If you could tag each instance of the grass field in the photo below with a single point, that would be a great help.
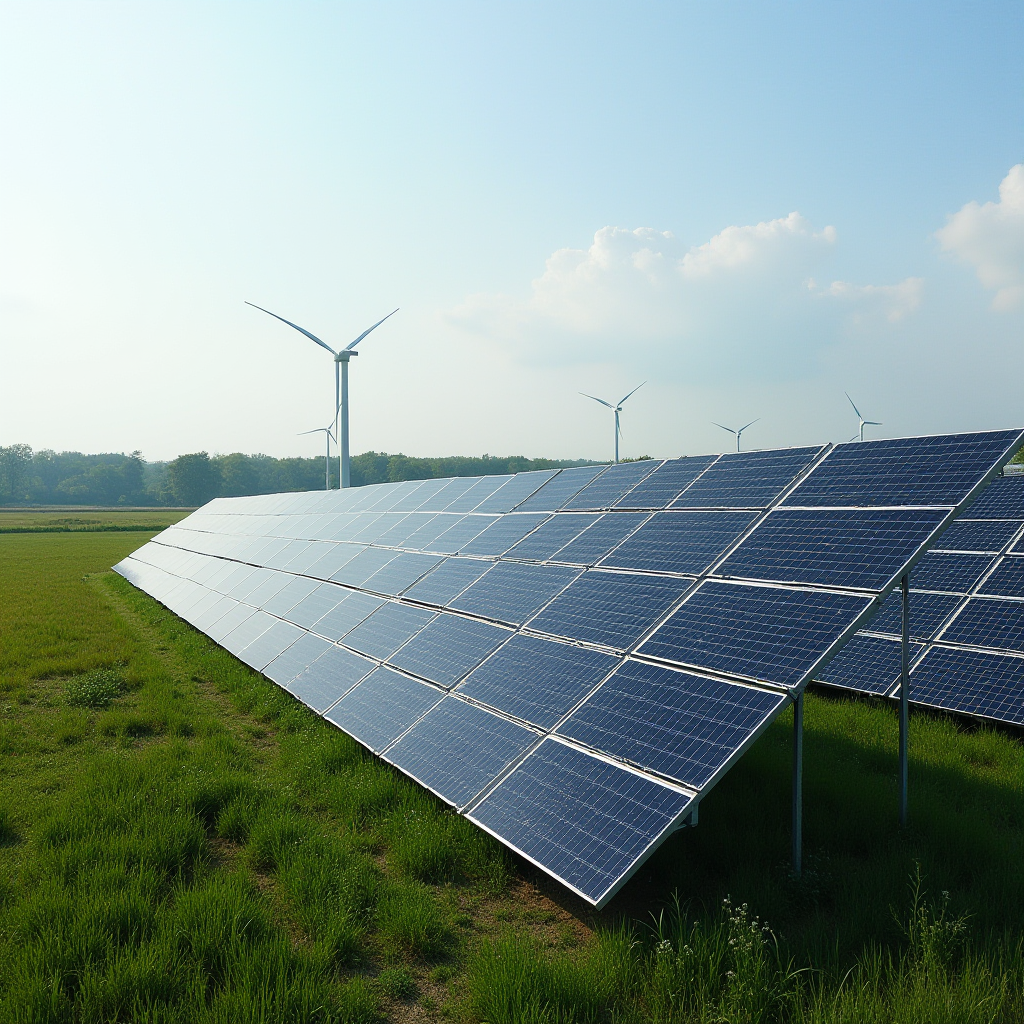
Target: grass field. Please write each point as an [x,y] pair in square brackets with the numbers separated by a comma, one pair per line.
[182,841]
[88,520]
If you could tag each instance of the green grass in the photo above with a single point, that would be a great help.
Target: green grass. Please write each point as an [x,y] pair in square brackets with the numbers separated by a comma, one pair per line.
[181,841]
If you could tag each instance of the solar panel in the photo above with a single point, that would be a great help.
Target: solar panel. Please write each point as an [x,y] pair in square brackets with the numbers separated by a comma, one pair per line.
[972,682]
[447,648]
[1006,580]
[980,535]
[382,707]
[746,479]
[869,664]
[680,725]
[988,622]
[666,483]
[611,486]
[683,542]
[456,749]
[587,822]
[462,630]
[537,680]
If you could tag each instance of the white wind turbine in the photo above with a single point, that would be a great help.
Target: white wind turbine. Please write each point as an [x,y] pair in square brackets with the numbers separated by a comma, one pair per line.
[863,422]
[617,408]
[327,458]
[738,433]
[341,359]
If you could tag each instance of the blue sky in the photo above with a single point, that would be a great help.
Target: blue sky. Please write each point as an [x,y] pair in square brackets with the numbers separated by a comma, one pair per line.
[754,207]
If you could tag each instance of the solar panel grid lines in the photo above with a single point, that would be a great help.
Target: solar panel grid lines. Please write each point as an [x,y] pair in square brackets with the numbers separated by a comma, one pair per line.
[530,680]
[666,483]
[556,804]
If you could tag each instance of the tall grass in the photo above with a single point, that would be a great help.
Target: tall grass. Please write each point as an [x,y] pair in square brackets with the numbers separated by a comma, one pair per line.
[180,840]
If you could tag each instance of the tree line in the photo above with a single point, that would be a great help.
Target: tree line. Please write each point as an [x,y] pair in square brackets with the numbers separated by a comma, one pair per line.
[47,477]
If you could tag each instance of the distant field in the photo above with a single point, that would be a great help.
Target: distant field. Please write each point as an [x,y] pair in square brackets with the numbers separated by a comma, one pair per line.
[88,520]
[182,841]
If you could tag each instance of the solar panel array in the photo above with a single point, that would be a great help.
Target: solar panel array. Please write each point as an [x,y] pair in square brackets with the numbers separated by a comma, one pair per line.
[571,659]
[966,619]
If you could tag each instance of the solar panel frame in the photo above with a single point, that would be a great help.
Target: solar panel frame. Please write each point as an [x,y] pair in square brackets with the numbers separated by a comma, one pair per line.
[289,522]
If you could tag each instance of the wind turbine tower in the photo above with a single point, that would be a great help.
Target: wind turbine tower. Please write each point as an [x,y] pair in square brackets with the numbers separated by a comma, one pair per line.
[738,433]
[617,408]
[341,359]
[327,457]
[863,422]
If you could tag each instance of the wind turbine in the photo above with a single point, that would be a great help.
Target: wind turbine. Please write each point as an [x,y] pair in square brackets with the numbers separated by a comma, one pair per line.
[617,408]
[327,457]
[341,359]
[863,422]
[738,433]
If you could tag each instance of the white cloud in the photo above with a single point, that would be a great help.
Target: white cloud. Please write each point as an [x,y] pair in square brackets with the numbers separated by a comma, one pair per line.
[990,237]
[743,304]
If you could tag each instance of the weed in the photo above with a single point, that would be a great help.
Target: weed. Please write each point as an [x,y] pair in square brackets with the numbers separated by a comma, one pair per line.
[98,689]
[396,983]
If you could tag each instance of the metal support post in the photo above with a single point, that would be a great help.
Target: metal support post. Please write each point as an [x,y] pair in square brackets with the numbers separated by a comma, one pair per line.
[798,783]
[904,699]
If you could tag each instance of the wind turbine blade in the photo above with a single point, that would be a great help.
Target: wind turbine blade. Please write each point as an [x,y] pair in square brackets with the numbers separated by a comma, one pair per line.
[872,423]
[750,424]
[607,405]
[301,330]
[633,392]
[315,430]
[731,431]
[348,348]
[854,438]
[855,409]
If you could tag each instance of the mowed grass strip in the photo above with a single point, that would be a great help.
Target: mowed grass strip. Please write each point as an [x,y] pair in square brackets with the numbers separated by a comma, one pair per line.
[88,521]
[181,840]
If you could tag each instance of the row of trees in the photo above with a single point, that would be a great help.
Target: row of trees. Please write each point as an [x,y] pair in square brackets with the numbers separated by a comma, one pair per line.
[51,478]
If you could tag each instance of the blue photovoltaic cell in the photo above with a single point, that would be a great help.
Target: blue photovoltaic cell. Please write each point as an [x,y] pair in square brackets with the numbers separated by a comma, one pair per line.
[513,591]
[346,615]
[927,613]
[387,629]
[746,479]
[597,540]
[610,486]
[906,471]
[666,483]
[550,536]
[971,682]
[583,820]
[431,529]
[685,542]
[980,535]
[612,609]
[382,707]
[862,548]
[457,749]
[502,534]
[265,589]
[400,573]
[868,664]
[949,572]
[537,680]
[451,577]
[988,622]
[674,723]
[449,647]
[456,537]
[287,665]
[1002,499]
[402,525]
[560,489]
[333,674]
[1007,579]
[515,490]
[768,633]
